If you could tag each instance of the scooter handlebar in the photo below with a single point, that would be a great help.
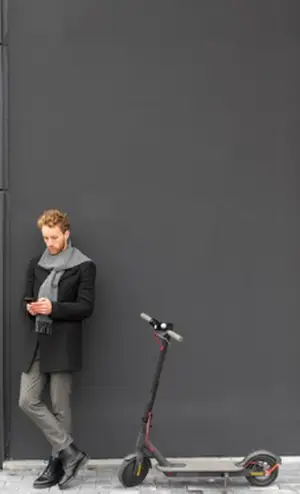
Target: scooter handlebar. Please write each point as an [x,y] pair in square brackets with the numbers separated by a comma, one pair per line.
[146,317]
[175,336]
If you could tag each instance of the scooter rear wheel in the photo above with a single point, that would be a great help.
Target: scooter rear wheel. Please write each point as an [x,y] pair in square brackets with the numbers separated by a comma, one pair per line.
[128,476]
[259,464]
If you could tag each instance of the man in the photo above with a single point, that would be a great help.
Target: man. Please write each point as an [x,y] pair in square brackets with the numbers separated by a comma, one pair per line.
[59,295]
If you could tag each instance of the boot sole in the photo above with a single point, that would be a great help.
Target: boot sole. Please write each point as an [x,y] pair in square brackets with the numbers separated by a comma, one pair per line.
[80,465]
[46,486]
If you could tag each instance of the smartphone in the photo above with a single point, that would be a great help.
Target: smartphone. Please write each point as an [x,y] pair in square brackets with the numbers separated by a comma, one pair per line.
[29,299]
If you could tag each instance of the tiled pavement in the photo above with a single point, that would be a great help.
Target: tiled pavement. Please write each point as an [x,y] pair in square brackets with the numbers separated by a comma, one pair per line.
[103,479]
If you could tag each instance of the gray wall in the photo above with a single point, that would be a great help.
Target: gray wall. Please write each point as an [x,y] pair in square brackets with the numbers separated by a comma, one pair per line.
[169,130]
[4,237]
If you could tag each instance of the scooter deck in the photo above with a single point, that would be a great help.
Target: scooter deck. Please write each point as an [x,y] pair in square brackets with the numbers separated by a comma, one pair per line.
[203,465]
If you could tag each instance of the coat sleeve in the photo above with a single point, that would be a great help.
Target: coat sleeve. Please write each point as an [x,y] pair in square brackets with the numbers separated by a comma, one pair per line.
[84,305]
[29,285]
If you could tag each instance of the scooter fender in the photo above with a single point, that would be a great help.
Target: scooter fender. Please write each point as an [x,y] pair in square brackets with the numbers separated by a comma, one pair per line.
[130,457]
[265,452]
[133,456]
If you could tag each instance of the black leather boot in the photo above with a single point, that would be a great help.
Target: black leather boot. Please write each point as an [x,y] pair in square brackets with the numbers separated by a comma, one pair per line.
[72,459]
[51,475]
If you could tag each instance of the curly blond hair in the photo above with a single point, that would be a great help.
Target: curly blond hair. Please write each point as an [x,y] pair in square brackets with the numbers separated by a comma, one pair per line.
[54,217]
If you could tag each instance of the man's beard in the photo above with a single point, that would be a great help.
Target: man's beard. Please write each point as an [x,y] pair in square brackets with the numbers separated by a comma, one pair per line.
[57,250]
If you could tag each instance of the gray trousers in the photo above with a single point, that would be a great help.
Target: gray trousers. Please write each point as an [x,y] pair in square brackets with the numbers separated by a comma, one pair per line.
[55,425]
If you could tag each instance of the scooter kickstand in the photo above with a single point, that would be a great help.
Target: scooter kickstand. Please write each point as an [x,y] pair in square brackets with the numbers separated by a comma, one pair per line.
[226,477]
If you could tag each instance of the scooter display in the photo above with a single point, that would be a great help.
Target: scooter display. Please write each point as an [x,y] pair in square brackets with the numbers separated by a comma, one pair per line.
[260,468]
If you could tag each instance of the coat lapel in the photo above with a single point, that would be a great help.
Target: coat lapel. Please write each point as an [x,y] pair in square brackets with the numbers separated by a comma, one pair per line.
[41,273]
[68,273]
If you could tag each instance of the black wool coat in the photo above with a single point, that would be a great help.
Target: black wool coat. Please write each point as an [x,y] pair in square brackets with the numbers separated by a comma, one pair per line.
[62,349]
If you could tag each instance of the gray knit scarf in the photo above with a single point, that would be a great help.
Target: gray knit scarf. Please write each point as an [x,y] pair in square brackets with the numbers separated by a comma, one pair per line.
[68,258]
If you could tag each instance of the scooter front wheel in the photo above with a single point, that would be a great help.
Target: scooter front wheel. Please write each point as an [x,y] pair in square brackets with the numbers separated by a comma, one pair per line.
[129,476]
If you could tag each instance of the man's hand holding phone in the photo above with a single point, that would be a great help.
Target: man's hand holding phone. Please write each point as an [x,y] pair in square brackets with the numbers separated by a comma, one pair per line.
[29,307]
[41,306]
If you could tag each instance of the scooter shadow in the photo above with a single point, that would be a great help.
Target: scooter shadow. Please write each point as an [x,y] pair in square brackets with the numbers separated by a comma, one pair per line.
[197,485]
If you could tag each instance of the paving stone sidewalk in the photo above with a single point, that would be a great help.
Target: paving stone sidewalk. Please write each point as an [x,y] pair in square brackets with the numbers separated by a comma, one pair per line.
[103,479]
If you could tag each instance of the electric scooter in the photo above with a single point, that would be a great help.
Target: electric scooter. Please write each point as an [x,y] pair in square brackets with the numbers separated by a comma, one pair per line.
[260,467]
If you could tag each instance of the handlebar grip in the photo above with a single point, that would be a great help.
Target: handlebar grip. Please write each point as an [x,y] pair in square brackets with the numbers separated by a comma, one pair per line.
[175,335]
[146,317]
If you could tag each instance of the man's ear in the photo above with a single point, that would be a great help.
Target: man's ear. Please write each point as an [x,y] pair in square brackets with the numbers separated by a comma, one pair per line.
[67,234]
